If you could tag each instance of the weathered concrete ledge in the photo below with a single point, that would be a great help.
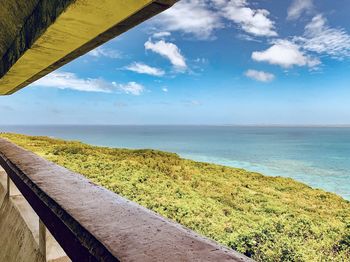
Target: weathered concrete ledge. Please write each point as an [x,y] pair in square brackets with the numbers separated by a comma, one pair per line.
[20,230]
[16,241]
[38,37]
[94,224]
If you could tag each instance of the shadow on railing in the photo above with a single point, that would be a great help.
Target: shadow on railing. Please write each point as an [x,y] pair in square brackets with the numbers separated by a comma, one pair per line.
[91,223]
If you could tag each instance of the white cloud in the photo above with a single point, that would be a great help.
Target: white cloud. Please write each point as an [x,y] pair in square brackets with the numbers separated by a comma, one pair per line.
[104,52]
[247,37]
[142,68]
[318,39]
[161,34]
[191,17]
[202,17]
[260,75]
[169,51]
[298,7]
[322,39]
[285,54]
[132,88]
[252,21]
[164,89]
[66,80]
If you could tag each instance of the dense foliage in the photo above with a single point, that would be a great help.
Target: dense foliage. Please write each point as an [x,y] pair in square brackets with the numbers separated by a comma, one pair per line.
[267,218]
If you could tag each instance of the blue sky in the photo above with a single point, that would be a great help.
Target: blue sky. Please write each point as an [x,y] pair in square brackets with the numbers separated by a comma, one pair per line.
[239,62]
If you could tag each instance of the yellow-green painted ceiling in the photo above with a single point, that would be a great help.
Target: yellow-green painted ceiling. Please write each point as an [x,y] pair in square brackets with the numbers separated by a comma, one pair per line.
[82,26]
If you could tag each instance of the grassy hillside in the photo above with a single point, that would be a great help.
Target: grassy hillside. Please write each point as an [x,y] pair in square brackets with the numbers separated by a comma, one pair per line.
[267,218]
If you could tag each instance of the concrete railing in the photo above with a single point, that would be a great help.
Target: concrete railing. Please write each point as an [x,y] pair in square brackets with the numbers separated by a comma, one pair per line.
[91,223]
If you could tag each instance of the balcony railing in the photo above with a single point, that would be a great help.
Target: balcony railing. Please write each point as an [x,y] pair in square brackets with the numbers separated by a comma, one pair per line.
[91,223]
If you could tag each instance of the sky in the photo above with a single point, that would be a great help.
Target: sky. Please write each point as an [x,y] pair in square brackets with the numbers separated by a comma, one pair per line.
[206,62]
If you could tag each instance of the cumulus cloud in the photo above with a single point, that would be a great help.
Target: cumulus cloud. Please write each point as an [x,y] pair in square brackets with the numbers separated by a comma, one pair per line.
[191,17]
[285,54]
[260,75]
[298,7]
[252,21]
[104,52]
[169,51]
[142,68]
[202,17]
[320,38]
[67,80]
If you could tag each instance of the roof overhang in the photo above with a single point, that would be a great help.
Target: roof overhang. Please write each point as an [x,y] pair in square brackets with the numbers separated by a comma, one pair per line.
[37,37]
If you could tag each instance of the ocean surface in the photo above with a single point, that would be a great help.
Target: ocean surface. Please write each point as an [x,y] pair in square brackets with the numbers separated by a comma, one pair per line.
[317,156]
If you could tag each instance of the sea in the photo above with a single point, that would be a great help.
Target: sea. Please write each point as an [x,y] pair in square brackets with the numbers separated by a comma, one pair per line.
[316,156]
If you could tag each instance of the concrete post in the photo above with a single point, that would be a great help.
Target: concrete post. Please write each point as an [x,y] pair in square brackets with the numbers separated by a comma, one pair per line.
[12,190]
[8,187]
[42,239]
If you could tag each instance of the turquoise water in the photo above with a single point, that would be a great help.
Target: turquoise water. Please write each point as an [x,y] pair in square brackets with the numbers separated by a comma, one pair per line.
[319,157]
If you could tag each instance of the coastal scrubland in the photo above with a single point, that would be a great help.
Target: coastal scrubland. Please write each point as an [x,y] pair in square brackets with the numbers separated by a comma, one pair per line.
[266,218]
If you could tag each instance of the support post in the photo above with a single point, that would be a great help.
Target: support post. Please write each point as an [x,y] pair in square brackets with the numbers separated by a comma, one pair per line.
[8,186]
[42,239]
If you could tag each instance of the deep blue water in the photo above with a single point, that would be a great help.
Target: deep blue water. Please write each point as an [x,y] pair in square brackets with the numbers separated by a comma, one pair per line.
[319,157]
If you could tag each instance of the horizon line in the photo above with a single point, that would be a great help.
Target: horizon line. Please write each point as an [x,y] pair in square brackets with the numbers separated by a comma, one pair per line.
[189,125]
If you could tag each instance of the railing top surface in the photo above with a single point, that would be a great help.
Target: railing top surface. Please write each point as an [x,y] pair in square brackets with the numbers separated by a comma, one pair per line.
[96,216]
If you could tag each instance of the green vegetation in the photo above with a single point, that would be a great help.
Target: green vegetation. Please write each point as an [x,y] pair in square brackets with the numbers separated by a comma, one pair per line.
[267,218]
